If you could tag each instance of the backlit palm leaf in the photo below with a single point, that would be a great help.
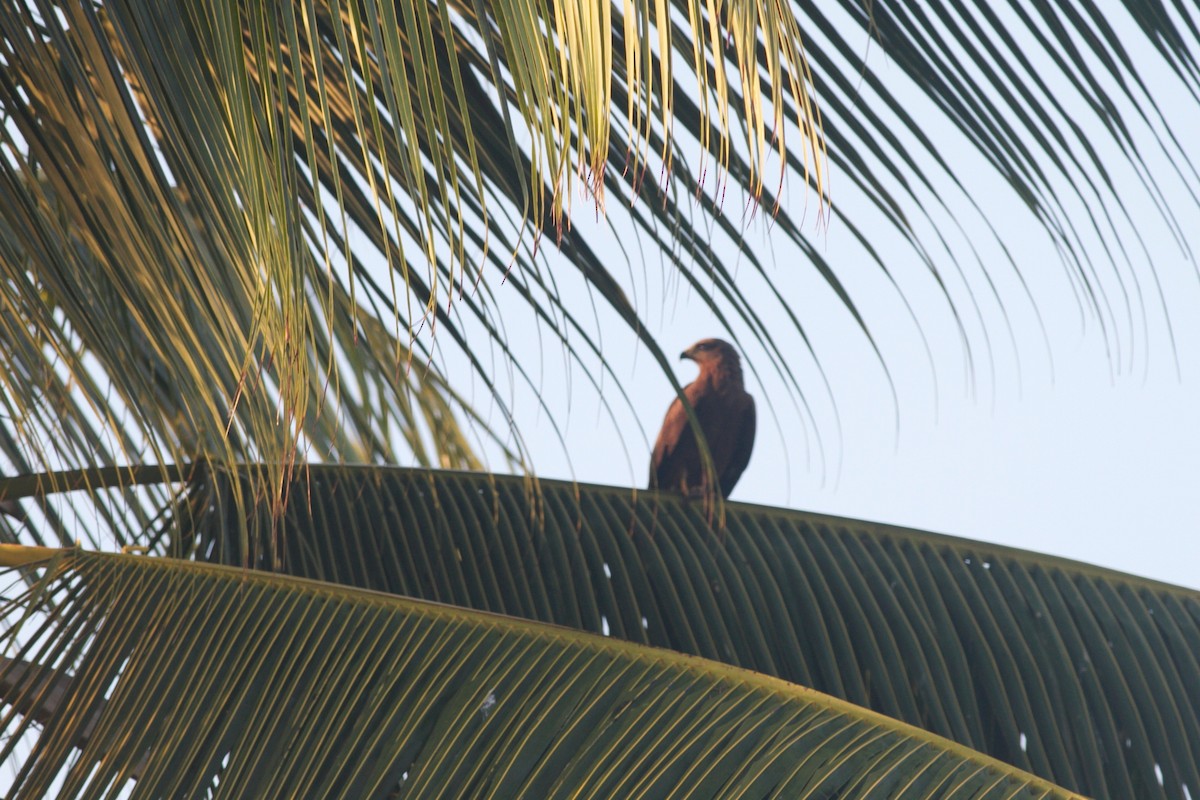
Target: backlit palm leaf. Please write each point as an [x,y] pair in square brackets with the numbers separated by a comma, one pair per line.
[199,680]
[273,207]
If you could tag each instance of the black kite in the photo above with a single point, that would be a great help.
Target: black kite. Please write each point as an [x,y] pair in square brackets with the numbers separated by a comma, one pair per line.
[726,415]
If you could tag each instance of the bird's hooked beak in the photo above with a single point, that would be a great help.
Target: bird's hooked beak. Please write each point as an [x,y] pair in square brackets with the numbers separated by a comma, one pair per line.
[685,354]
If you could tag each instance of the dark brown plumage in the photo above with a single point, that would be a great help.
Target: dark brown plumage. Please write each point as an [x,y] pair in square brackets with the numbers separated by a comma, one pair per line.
[13,509]
[726,415]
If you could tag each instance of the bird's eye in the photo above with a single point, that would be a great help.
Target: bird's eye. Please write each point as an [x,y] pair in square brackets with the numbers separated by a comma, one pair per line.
[705,346]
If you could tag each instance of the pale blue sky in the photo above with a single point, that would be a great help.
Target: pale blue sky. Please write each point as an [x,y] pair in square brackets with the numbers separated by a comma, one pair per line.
[1096,459]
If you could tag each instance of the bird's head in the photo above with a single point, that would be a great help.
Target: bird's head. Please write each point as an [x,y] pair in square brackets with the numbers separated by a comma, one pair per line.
[711,352]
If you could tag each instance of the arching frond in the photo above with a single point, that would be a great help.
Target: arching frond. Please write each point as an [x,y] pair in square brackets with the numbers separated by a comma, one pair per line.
[1084,676]
[205,681]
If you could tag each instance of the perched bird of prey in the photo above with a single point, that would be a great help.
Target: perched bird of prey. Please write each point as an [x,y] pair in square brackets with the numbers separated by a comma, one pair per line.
[726,415]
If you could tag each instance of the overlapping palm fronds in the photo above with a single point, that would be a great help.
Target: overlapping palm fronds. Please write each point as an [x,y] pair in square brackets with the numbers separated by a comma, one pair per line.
[254,236]
[194,680]
[270,210]
[1082,676]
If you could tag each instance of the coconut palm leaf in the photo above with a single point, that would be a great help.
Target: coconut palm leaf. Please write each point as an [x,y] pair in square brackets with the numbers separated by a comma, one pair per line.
[271,208]
[196,681]
[1084,676]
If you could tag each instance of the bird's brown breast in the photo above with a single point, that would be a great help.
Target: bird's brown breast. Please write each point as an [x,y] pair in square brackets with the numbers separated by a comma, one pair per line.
[726,416]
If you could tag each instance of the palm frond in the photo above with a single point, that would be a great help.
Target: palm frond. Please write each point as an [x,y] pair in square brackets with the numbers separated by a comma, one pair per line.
[270,210]
[165,298]
[1084,676]
[199,681]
